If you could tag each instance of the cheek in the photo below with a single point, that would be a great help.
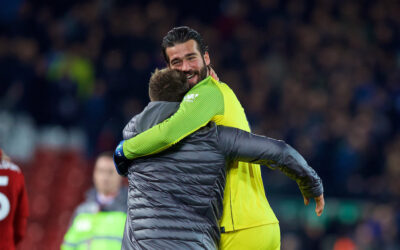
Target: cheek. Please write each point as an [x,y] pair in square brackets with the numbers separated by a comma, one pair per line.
[196,65]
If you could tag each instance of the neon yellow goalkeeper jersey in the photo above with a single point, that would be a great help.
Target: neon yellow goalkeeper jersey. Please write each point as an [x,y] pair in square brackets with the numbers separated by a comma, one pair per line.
[245,204]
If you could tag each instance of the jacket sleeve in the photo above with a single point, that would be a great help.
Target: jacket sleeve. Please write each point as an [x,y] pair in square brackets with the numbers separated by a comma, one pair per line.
[239,145]
[129,130]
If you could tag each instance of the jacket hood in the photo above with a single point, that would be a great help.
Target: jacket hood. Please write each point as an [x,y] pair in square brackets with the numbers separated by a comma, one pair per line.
[153,114]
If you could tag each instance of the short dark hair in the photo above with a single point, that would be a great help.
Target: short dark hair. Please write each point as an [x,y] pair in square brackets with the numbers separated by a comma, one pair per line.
[181,35]
[168,85]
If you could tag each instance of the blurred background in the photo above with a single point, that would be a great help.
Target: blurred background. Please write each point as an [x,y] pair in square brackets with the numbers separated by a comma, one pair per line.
[322,75]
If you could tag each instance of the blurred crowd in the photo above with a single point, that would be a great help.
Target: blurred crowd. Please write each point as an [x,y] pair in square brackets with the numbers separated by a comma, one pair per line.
[322,75]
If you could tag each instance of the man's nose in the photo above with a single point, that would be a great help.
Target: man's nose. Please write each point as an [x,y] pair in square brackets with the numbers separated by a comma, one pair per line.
[185,66]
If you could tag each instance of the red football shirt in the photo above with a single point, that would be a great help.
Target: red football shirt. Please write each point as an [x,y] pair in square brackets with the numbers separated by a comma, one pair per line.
[13,205]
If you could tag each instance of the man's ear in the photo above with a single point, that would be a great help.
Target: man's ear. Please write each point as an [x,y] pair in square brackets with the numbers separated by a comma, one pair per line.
[207,58]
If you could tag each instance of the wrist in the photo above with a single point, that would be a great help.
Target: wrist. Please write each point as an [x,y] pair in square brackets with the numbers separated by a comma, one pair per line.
[120,161]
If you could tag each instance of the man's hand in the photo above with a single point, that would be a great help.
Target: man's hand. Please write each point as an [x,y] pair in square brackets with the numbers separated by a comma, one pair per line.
[212,73]
[319,203]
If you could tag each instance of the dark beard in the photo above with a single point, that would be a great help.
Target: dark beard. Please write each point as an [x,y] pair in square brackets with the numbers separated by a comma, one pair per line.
[203,73]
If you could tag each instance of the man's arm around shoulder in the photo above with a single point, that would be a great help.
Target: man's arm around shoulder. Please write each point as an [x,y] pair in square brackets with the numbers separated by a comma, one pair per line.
[240,145]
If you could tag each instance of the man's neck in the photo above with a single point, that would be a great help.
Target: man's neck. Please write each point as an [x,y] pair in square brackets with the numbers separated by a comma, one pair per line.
[105,199]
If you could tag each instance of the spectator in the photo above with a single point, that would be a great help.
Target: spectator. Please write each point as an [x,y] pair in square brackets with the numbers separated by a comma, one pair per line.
[98,223]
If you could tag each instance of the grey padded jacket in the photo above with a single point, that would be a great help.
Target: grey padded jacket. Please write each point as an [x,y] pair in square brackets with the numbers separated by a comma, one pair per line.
[175,197]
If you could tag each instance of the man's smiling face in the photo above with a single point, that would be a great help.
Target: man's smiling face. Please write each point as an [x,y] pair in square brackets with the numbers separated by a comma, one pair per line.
[186,57]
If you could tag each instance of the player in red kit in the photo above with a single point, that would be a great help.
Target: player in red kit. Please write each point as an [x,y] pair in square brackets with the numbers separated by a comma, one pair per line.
[13,204]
